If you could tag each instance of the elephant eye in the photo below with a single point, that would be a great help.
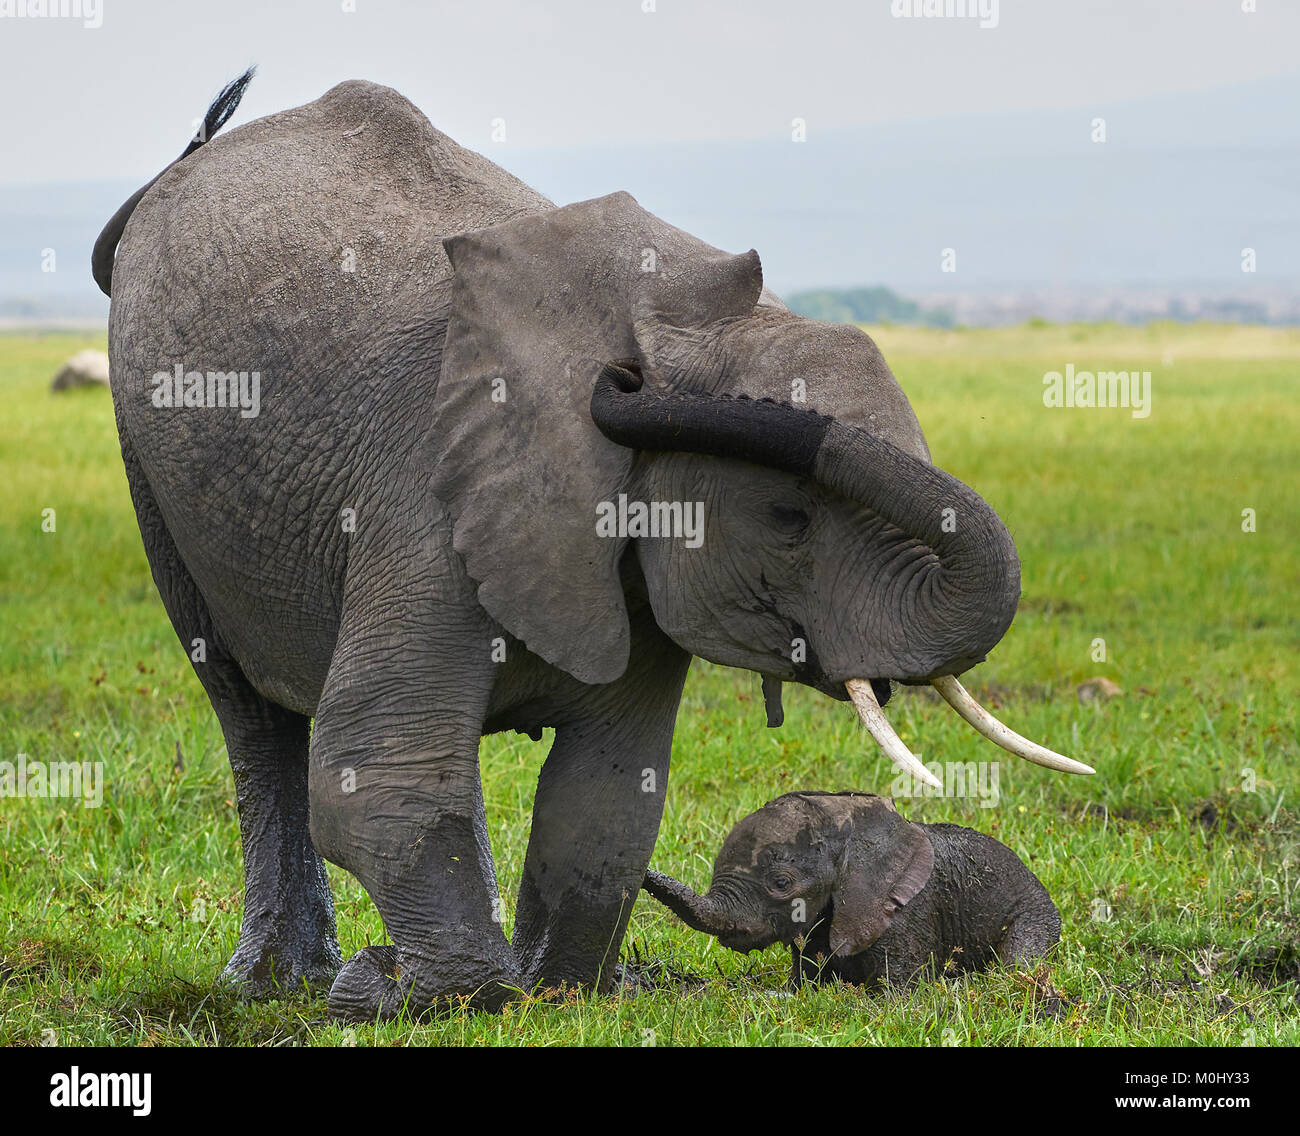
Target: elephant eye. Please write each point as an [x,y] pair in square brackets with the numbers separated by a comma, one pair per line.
[782,882]
[790,518]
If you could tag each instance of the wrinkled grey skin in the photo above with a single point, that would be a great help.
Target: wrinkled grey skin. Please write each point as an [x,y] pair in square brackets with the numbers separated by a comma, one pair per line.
[862,895]
[472,529]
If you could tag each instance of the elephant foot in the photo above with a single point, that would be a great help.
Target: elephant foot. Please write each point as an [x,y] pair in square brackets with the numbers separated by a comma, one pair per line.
[379,983]
[272,965]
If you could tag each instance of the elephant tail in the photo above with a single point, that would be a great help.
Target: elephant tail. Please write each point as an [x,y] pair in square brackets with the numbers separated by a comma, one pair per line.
[223,106]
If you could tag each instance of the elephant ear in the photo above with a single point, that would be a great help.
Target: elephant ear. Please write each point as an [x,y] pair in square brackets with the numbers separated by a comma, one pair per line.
[539,305]
[885,863]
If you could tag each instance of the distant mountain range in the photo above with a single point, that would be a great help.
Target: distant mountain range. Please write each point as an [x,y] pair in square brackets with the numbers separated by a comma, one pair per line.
[1265,305]
[1027,202]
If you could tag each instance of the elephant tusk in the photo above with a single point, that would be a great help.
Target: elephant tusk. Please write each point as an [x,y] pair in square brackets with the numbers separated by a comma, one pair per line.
[957,697]
[864,699]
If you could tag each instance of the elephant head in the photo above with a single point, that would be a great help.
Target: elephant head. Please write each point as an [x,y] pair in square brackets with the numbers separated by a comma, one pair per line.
[596,355]
[782,867]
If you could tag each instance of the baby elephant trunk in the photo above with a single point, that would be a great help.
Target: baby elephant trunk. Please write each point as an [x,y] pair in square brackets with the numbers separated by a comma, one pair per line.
[698,912]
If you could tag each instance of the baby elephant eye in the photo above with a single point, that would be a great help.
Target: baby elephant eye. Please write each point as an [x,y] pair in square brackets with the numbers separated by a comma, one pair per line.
[782,882]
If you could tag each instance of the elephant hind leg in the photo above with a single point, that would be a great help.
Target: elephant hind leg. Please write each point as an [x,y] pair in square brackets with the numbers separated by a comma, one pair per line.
[287,935]
[1029,936]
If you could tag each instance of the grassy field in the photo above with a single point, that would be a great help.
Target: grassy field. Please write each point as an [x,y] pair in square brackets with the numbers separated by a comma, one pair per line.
[1173,867]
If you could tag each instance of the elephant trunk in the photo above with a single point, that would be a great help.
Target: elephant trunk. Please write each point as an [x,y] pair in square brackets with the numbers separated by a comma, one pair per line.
[699,912]
[968,596]
[967,586]
[960,599]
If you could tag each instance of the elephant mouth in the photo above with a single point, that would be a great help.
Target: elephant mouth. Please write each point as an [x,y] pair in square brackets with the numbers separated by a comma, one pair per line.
[746,941]
[881,688]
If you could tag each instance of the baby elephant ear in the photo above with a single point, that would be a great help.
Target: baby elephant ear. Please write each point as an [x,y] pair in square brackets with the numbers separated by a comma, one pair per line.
[885,864]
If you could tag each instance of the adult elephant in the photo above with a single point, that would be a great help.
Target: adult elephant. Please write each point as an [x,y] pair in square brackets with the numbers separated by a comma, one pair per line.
[403,538]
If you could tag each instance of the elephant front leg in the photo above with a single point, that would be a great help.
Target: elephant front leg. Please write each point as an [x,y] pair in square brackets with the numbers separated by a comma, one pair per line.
[600,798]
[396,800]
[410,826]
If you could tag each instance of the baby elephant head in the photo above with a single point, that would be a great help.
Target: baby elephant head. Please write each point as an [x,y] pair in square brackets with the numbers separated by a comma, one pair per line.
[800,858]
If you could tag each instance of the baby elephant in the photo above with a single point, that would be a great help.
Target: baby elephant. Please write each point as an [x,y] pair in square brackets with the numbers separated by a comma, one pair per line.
[863,895]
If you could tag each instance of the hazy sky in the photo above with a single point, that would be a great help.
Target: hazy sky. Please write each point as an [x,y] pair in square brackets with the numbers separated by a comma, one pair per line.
[119,100]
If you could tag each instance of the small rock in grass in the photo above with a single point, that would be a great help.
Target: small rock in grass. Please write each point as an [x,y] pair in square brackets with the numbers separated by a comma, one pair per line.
[84,369]
[1099,688]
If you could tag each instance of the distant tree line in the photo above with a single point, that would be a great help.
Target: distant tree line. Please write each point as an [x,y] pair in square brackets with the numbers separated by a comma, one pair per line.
[866,305]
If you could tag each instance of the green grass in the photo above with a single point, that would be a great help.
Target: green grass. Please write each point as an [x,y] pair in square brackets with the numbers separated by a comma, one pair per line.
[114,922]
